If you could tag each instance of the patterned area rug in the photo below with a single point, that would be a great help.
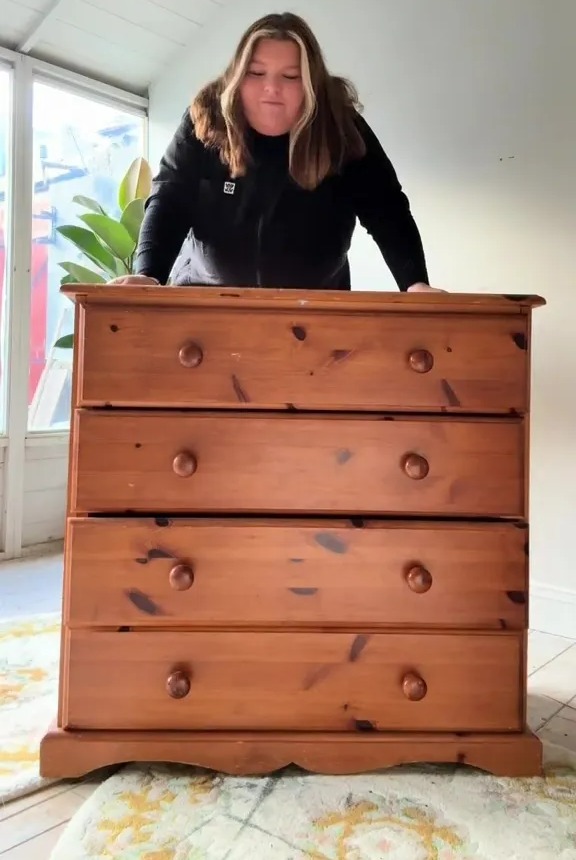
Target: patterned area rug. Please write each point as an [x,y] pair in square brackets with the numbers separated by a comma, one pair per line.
[167,812]
[29,654]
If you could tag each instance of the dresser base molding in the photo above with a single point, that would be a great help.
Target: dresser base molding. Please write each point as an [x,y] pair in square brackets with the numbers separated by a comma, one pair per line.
[71,754]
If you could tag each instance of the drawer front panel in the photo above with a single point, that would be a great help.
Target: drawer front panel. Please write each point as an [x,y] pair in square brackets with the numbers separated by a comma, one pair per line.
[315,360]
[293,681]
[246,573]
[254,464]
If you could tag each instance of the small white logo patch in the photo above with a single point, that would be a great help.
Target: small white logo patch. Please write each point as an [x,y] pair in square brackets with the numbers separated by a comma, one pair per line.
[229,187]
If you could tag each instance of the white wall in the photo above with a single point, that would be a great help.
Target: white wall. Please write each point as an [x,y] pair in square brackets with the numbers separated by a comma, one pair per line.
[45,483]
[474,102]
[44,486]
[2,478]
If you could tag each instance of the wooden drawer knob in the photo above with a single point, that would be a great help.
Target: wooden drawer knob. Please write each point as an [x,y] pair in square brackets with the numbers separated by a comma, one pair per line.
[181,577]
[178,684]
[419,579]
[416,467]
[421,361]
[184,464]
[414,687]
[190,355]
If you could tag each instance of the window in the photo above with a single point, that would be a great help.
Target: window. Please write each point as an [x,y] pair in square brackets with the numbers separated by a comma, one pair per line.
[81,147]
[5,101]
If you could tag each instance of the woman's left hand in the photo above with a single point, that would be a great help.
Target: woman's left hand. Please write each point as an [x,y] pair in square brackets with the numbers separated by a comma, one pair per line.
[424,288]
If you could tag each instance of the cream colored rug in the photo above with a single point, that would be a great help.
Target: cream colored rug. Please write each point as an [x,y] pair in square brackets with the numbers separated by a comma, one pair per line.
[29,667]
[164,812]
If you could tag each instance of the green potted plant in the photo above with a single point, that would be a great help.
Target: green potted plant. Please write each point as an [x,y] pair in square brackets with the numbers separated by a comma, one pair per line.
[106,242]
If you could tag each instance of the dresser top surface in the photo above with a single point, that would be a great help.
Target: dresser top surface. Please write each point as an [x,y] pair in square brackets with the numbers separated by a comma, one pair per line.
[291,299]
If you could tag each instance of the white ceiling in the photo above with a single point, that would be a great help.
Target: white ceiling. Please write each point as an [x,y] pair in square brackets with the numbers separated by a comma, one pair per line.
[127,43]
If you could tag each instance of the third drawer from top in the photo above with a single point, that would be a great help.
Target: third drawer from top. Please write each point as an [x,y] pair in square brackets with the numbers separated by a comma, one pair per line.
[210,572]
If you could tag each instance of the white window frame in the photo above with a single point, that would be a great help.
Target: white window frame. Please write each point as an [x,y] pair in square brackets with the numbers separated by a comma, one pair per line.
[17,438]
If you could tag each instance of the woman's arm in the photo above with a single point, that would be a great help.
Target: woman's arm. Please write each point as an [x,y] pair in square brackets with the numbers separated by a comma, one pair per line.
[170,207]
[383,209]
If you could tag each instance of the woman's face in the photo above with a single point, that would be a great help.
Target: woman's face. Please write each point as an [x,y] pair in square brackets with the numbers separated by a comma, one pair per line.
[272,93]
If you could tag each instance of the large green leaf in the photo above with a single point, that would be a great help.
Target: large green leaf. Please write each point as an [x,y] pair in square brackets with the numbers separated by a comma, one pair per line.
[114,234]
[132,217]
[123,268]
[65,342]
[87,242]
[82,275]
[88,203]
[137,182]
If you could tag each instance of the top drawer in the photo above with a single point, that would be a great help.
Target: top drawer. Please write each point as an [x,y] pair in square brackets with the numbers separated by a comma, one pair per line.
[286,359]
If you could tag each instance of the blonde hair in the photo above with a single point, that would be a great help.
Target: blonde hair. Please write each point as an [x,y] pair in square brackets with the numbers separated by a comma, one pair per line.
[325,136]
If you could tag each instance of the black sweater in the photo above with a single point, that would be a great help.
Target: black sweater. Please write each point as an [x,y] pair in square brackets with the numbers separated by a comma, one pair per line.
[201,227]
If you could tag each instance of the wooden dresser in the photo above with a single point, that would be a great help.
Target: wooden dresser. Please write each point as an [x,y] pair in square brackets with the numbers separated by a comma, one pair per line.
[297,531]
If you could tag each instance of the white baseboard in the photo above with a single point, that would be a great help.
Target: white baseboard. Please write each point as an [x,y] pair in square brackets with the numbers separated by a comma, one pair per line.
[553,610]
[37,549]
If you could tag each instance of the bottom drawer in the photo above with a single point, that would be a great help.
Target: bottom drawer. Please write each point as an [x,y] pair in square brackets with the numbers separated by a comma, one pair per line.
[294,681]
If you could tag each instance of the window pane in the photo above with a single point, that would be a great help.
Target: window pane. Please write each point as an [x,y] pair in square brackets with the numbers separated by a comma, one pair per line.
[81,147]
[5,83]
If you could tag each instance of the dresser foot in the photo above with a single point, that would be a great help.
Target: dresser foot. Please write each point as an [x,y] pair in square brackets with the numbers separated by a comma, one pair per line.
[69,754]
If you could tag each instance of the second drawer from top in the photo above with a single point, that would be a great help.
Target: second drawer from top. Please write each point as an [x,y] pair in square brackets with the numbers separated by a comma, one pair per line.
[270,464]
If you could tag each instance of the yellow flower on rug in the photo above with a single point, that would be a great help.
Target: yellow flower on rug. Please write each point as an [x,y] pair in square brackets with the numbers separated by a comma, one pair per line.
[172,812]
[29,655]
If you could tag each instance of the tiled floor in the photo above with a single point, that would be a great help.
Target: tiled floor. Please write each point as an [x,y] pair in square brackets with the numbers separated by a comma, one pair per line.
[30,827]
[31,585]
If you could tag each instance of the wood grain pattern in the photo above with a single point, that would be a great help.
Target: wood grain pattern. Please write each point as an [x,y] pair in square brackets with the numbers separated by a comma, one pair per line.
[293,681]
[308,573]
[269,463]
[351,302]
[237,359]
[73,754]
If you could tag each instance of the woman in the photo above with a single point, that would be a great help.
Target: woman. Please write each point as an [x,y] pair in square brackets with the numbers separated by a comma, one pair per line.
[266,175]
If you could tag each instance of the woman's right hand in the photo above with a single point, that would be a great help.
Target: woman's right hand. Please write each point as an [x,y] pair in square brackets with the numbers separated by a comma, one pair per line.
[134,280]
